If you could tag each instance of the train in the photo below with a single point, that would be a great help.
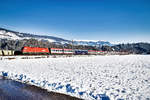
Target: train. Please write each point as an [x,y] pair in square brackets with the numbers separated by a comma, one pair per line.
[58,51]
[49,51]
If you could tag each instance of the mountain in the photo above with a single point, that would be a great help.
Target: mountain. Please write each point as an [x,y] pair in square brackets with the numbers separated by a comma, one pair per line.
[92,43]
[12,40]
[13,35]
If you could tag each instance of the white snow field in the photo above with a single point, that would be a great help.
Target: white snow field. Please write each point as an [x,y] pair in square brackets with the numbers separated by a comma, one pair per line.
[118,77]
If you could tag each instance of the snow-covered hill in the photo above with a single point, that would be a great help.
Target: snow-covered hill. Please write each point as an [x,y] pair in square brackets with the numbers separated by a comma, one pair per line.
[12,35]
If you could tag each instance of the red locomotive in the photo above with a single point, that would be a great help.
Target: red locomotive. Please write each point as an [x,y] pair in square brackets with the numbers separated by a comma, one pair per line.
[35,50]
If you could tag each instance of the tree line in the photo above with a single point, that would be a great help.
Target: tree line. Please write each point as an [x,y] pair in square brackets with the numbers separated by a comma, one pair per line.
[17,45]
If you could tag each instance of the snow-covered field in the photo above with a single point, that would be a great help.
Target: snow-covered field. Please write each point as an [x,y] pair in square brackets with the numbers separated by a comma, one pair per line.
[118,77]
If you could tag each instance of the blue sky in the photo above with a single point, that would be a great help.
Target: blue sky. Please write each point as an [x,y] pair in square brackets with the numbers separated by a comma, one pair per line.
[111,20]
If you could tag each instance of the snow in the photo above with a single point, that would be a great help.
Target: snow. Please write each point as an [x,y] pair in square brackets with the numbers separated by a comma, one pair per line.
[94,77]
[8,35]
[13,36]
[86,40]
[50,40]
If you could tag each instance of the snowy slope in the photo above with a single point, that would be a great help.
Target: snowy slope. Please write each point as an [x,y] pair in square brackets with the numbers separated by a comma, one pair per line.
[119,77]
[12,35]
[8,35]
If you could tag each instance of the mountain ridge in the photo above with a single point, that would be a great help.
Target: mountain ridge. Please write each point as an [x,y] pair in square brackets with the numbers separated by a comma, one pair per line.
[14,35]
